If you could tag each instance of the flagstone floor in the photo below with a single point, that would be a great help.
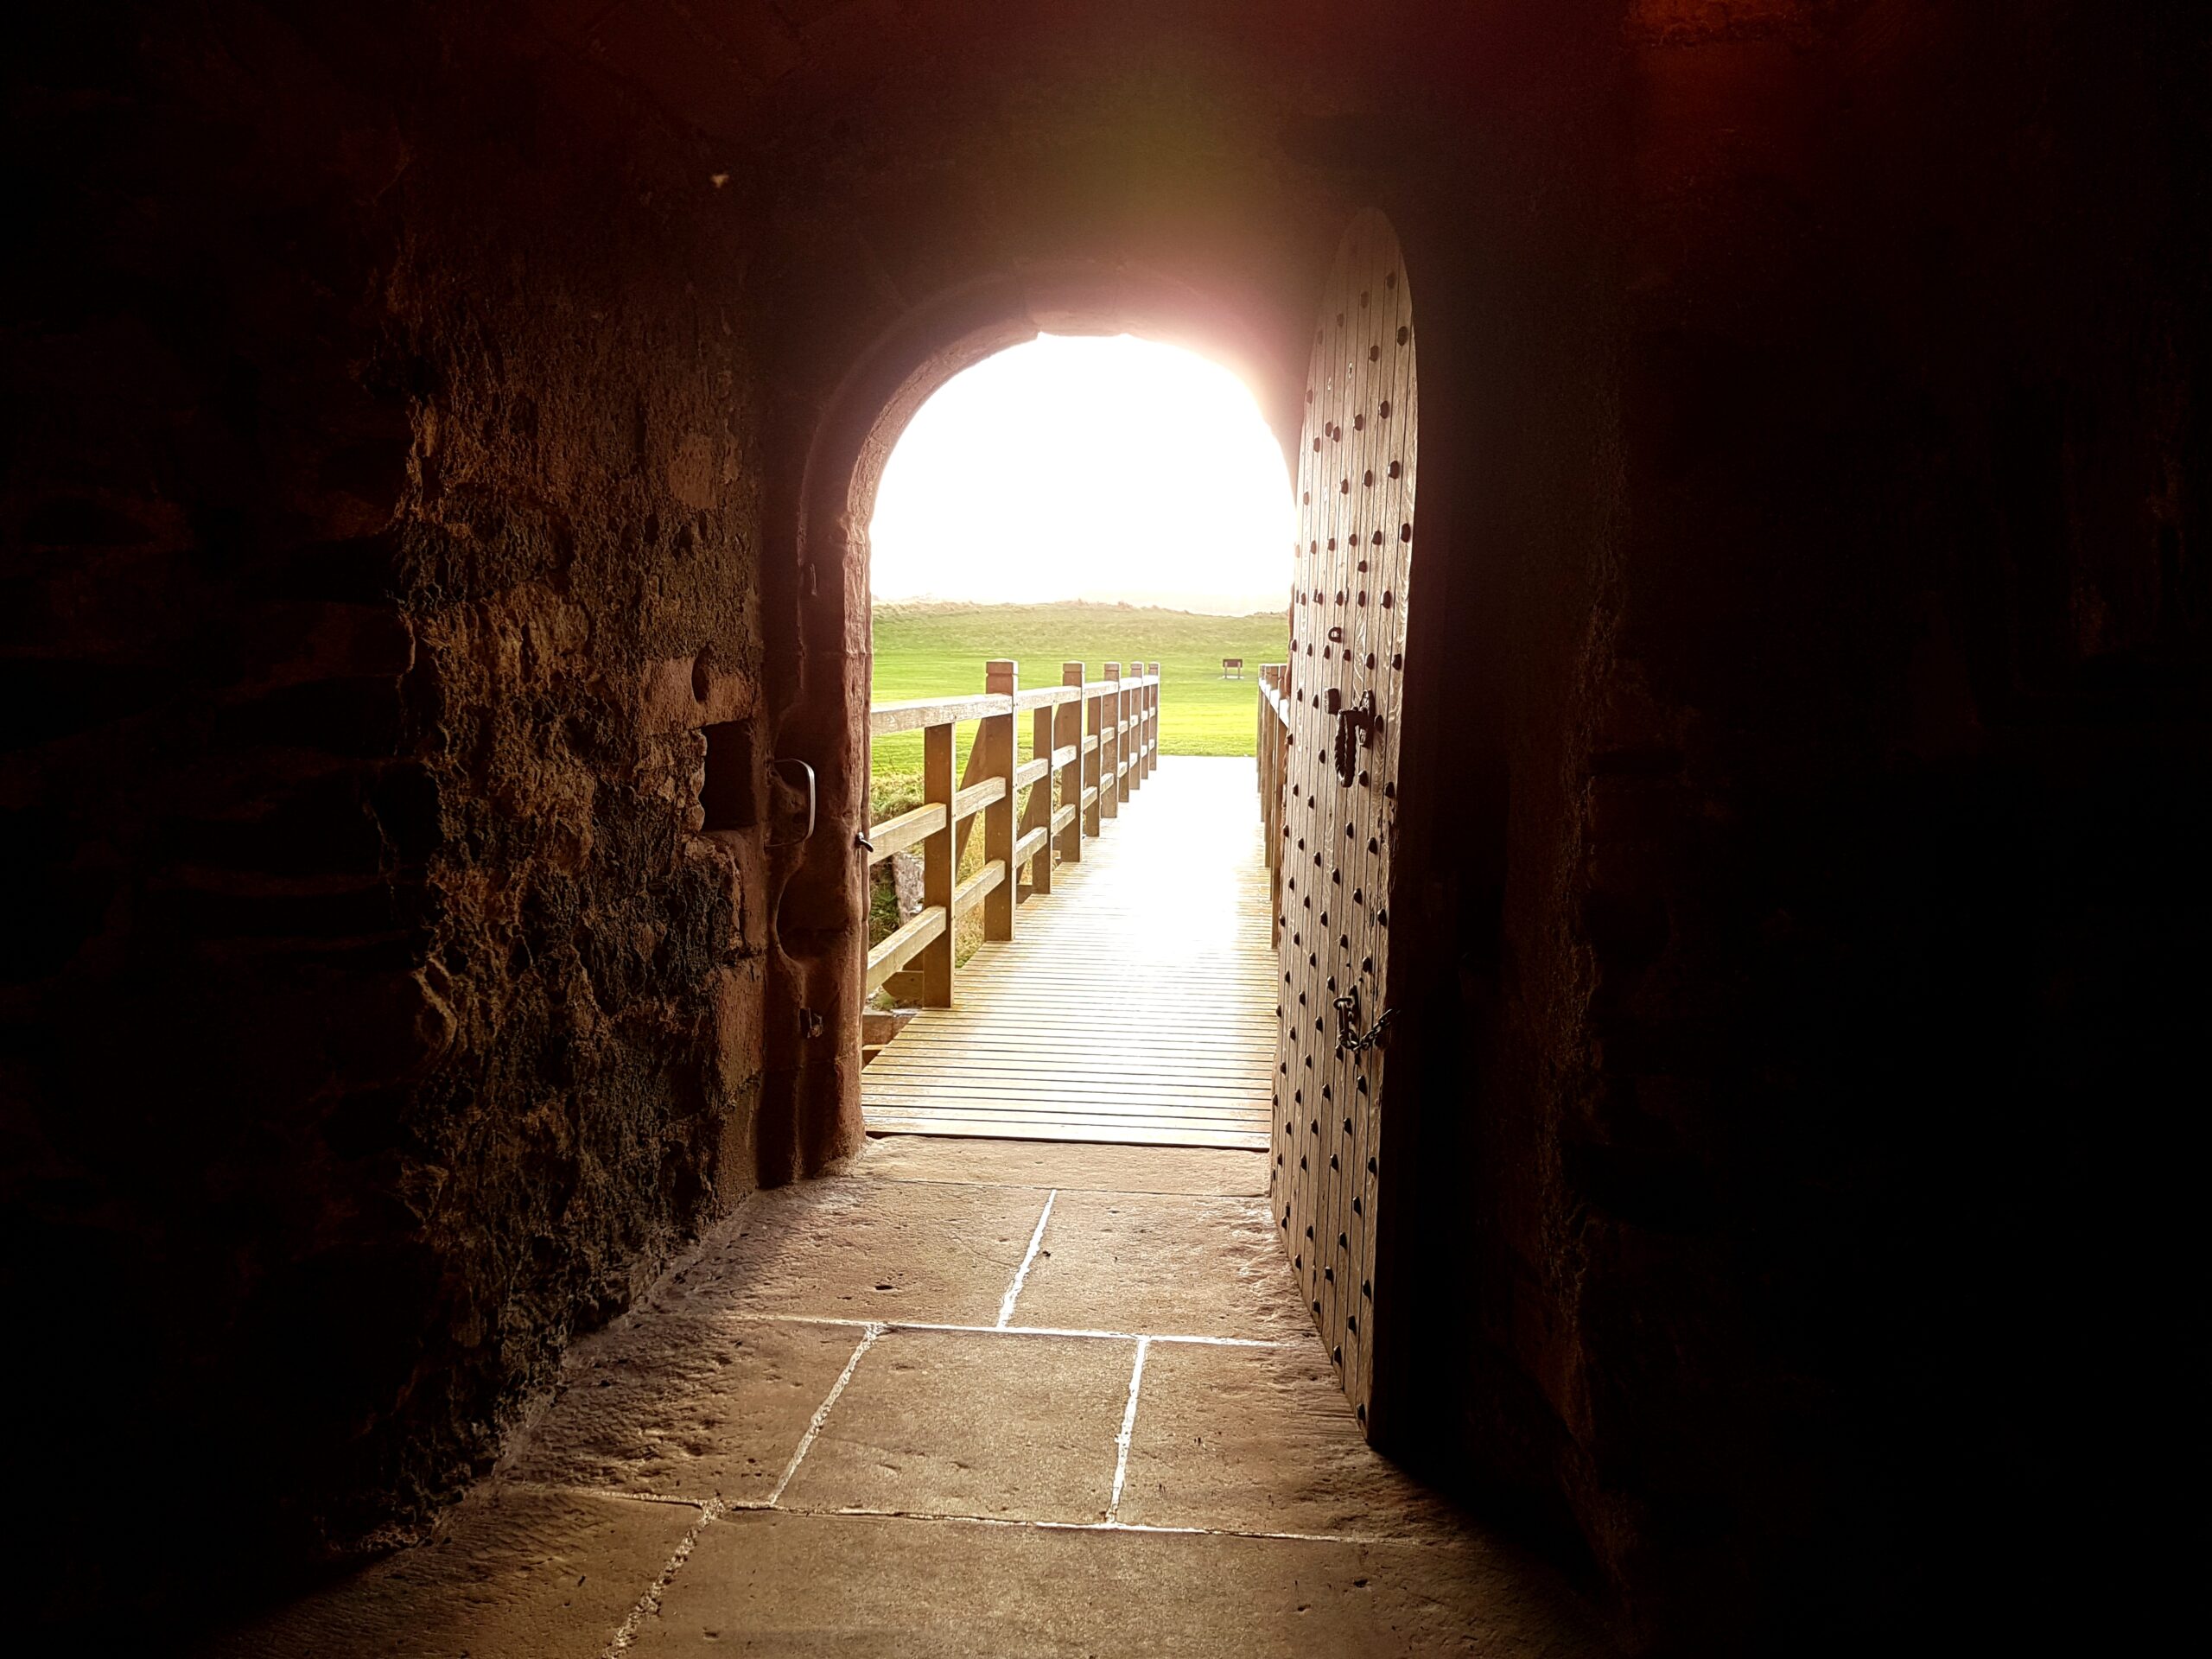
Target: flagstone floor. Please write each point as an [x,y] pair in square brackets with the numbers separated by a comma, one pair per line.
[969,1397]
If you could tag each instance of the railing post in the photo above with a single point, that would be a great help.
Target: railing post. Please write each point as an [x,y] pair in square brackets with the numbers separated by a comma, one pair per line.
[1112,783]
[1042,725]
[1124,702]
[935,961]
[1067,731]
[1000,678]
[1134,696]
[1152,760]
[1094,756]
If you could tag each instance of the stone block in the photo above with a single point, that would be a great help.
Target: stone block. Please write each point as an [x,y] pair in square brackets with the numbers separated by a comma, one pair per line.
[736,995]
[684,1406]
[863,1250]
[1262,1439]
[680,693]
[510,1575]
[937,1422]
[1164,1265]
[799,1584]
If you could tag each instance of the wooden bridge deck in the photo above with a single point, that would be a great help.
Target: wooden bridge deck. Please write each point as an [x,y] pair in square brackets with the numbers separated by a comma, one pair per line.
[1135,1002]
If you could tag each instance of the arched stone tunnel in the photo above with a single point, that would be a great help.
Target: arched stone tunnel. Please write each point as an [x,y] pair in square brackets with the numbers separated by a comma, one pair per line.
[427,422]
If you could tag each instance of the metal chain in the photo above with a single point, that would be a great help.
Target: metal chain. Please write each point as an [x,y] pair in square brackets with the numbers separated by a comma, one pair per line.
[1350,1038]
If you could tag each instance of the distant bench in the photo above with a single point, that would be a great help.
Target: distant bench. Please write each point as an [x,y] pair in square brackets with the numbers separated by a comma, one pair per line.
[1232,668]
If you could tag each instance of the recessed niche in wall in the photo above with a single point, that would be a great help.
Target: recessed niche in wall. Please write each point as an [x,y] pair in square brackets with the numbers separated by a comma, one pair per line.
[731,796]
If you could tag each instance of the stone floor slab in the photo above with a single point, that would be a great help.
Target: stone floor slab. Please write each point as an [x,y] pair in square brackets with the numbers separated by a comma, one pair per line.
[1163,1264]
[1049,1163]
[510,1575]
[793,1586]
[953,1423]
[679,1405]
[950,1502]
[1262,1439]
[862,1250]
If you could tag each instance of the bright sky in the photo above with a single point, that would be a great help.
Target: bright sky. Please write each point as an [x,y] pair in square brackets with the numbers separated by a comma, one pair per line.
[1087,468]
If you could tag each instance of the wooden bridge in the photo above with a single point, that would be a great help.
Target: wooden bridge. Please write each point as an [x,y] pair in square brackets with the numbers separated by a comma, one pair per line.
[1124,991]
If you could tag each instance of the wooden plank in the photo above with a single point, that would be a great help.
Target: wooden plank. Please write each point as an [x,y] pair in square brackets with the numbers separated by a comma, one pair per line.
[1067,754]
[1030,771]
[922,1062]
[974,798]
[895,834]
[939,858]
[902,947]
[976,887]
[998,745]
[1028,846]
[913,1077]
[885,718]
[1110,794]
[1137,1135]
[1157,1103]
[1037,811]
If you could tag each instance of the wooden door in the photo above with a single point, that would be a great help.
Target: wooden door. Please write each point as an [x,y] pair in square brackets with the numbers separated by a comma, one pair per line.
[1356,535]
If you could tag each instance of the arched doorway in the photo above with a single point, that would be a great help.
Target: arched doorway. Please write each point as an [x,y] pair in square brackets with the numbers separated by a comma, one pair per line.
[819,670]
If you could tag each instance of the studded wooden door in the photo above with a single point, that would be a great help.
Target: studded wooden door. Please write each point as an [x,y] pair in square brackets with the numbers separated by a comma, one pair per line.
[1348,612]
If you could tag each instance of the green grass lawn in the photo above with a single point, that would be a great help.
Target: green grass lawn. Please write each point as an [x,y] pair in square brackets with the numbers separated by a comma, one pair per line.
[940,650]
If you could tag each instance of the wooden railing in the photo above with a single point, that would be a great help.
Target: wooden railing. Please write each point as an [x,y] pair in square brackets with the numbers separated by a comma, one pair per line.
[1093,743]
[1274,753]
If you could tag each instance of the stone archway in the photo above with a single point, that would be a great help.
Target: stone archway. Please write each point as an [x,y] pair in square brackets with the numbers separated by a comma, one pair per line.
[818,673]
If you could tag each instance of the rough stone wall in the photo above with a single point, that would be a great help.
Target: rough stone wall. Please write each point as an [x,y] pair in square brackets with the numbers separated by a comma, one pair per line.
[1836,845]
[381,534]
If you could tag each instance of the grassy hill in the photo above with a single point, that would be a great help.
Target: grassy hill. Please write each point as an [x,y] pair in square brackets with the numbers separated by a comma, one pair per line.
[933,650]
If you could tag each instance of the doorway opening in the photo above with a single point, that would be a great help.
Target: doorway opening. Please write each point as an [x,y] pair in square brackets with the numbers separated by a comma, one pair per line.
[1078,563]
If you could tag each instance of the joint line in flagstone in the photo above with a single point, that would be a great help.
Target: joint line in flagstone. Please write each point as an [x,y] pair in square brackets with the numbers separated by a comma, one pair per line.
[1128,1428]
[667,1499]
[868,1335]
[649,1603]
[723,1509]
[1021,1274]
[861,1512]
[1027,1331]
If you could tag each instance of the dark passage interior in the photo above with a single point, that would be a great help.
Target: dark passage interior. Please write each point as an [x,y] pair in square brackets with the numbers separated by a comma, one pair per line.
[438,454]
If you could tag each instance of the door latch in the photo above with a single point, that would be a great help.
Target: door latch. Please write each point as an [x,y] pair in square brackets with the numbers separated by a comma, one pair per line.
[1355,724]
[1351,1039]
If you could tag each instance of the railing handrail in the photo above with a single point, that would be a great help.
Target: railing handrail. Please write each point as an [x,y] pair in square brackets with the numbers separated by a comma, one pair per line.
[912,713]
[1095,740]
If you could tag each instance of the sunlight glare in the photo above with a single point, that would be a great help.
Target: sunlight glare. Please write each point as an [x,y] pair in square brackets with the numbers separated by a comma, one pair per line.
[1091,468]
